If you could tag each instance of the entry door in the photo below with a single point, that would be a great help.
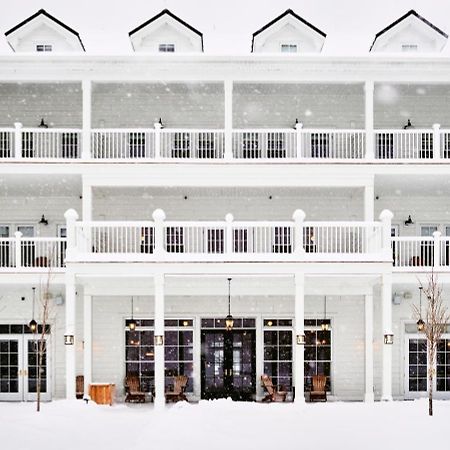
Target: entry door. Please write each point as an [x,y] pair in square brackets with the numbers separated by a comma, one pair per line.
[6,252]
[228,364]
[19,369]
[416,366]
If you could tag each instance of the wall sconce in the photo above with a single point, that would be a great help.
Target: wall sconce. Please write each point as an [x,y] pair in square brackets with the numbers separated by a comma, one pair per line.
[161,123]
[43,220]
[388,339]
[301,340]
[42,124]
[159,340]
[409,221]
[69,339]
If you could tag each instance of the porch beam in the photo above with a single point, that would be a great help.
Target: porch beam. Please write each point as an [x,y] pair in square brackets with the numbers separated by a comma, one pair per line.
[87,347]
[299,356]
[159,345]
[369,394]
[70,334]
[386,293]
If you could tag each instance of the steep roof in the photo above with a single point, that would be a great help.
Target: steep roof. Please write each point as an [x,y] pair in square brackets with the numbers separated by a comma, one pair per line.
[293,14]
[401,19]
[49,16]
[173,16]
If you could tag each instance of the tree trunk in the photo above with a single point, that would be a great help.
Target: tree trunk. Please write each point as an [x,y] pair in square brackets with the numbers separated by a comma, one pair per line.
[430,394]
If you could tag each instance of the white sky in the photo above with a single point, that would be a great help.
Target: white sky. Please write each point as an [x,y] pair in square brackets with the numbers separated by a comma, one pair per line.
[227,25]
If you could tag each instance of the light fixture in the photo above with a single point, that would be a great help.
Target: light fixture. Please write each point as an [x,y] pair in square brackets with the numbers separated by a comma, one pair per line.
[43,220]
[269,323]
[161,123]
[159,340]
[229,321]
[69,339]
[33,324]
[420,322]
[132,322]
[301,339]
[325,325]
[388,338]
[185,323]
[43,124]
[409,221]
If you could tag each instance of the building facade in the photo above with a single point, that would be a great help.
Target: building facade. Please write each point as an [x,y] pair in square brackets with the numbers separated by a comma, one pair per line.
[136,186]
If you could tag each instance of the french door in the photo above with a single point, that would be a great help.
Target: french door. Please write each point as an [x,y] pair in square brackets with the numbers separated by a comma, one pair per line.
[19,368]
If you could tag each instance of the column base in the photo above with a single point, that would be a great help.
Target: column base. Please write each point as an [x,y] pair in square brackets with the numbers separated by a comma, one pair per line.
[387,398]
[160,404]
[369,397]
[299,400]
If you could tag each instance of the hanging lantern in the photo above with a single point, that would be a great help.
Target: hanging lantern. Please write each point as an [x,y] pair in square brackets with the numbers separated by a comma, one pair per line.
[325,325]
[33,324]
[420,323]
[229,321]
[132,322]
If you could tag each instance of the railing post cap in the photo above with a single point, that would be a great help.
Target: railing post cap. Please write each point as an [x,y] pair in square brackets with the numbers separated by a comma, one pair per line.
[299,214]
[18,234]
[159,214]
[157,126]
[71,214]
[18,125]
[229,217]
[436,126]
[298,126]
[386,214]
[437,234]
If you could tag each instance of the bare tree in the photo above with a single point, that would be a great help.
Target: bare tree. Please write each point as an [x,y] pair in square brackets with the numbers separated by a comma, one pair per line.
[434,324]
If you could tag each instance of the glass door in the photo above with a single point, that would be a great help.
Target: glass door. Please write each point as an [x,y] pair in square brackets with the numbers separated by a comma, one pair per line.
[31,355]
[6,250]
[416,366]
[11,370]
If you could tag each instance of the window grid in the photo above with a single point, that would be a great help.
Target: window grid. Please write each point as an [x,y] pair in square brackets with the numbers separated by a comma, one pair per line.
[44,48]
[9,366]
[417,365]
[167,48]
[443,366]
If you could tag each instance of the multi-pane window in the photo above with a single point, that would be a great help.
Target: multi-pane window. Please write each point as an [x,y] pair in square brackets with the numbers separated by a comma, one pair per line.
[278,352]
[33,366]
[276,145]
[317,352]
[5,144]
[289,48]
[147,240]
[69,145]
[175,239]
[410,47]
[136,142]
[181,145]
[320,145]
[219,323]
[240,240]
[417,365]
[282,242]
[443,366]
[9,365]
[250,145]
[44,48]
[6,247]
[166,48]
[216,240]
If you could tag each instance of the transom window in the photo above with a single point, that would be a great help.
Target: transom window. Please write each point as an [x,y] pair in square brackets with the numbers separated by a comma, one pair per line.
[289,48]
[167,48]
[410,47]
[44,48]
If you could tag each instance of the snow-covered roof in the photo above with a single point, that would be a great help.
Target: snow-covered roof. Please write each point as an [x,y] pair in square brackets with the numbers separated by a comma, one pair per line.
[288,28]
[410,32]
[166,28]
[43,29]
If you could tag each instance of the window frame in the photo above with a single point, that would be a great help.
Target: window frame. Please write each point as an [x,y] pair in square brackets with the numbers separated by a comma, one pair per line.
[166,47]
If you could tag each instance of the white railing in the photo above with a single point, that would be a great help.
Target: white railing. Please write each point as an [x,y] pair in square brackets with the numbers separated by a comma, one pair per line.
[264,144]
[414,252]
[333,144]
[7,252]
[46,143]
[444,144]
[129,144]
[192,144]
[6,143]
[404,144]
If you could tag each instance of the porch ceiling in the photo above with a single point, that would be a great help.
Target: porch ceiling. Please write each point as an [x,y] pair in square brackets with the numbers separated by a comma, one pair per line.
[40,185]
[412,186]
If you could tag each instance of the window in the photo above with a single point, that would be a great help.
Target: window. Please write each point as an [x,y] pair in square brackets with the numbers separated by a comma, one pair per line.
[147,240]
[181,145]
[320,145]
[69,143]
[276,147]
[427,246]
[167,48]
[44,48]
[136,141]
[410,47]
[443,366]
[250,145]
[240,240]
[216,239]
[175,239]
[5,144]
[282,242]
[289,48]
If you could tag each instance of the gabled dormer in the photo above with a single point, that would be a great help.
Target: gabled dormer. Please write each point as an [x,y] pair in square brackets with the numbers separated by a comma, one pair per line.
[166,33]
[288,33]
[43,33]
[410,33]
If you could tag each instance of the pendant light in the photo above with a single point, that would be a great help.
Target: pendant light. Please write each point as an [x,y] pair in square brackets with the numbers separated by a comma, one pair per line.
[33,324]
[325,326]
[132,322]
[420,322]
[229,321]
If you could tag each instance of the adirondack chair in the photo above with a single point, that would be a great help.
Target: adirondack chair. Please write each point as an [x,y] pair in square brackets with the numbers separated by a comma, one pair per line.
[79,383]
[273,394]
[133,391]
[318,392]
[179,386]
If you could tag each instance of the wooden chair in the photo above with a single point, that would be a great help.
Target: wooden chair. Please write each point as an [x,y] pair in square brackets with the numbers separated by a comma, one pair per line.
[179,386]
[273,394]
[133,392]
[318,392]
[79,382]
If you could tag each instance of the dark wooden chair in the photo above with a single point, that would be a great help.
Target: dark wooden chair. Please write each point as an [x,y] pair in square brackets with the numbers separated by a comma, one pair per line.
[272,393]
[177,393]
[319,392]
[79,384]
[133,392]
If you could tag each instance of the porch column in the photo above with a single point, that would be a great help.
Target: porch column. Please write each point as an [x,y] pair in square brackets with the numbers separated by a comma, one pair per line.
[87,110]
[369,201]
[368,90]
[386,294]
[86,201]
[159,341]
[299,338]
[369,396]
[87,347]
[69,336]
[228,122]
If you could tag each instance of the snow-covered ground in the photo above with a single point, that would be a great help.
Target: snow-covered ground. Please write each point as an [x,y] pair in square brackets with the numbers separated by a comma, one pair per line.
[223,424]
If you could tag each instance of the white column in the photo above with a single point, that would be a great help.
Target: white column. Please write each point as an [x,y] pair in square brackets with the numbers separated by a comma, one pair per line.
[436,249]
[368,90]
[18,248]
[18,140]
[70,332]
[369,201]
[436,141]
[159,349]
[87,109]
[86,201]
[87,348]
[159,216]
[369,396]
[259,358]
[228,122]
[299,349]
[386,299]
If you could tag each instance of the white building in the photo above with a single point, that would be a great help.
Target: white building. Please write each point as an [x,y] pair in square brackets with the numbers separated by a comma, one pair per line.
[145,181]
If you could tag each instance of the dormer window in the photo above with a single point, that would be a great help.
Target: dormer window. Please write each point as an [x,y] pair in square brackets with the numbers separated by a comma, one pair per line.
[410,47]
[167,48]
[44,48]
[289,48]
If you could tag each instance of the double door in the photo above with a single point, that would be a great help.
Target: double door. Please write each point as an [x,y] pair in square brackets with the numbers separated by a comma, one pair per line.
[19,366]
[228,364]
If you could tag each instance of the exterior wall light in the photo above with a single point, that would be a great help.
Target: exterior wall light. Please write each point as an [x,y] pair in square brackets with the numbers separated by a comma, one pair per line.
[159,340]
[69,339]
[388,339]
[301,339]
